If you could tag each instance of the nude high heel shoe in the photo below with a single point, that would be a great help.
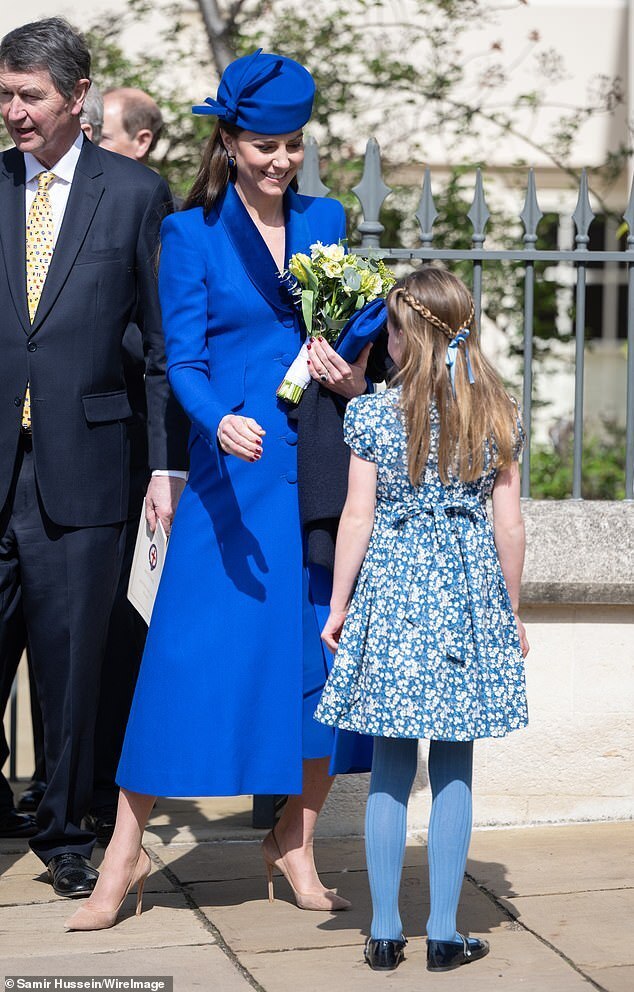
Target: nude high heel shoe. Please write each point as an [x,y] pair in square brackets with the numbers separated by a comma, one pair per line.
[273,858]
[86,918]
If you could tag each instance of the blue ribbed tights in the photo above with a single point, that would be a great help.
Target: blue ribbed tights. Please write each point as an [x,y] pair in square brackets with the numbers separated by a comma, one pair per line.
[393,770]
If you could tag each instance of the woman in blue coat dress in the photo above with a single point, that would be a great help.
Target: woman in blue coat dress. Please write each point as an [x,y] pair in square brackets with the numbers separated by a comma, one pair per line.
[233,666]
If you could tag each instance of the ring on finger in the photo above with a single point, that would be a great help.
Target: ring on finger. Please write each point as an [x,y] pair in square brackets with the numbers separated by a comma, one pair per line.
[324,376]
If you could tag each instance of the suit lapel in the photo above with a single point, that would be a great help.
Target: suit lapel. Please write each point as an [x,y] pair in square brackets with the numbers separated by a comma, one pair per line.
[85,193]
[13,232]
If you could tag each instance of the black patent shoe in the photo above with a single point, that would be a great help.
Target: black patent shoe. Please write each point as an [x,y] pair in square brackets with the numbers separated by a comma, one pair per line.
[72,875]
[102,822]
[13,824]
[445,955]
[31,797]
[384,955]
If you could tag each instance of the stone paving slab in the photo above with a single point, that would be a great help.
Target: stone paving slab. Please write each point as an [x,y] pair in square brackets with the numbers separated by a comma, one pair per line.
[203,967]
[38,930]
[592,928]
[517,960]
[214,861]
[249,923]
[187,821]
[553,859]
[616,979]
[207,914]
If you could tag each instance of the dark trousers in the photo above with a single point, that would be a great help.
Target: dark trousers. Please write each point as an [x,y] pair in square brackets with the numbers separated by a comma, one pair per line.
[12,644]
[66,578]
[12,647]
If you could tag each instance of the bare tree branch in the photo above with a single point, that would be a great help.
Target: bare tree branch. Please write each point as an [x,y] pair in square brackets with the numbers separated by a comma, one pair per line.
[217,25]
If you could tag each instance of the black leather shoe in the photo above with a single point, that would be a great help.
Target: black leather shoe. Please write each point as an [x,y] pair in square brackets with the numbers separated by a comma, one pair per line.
[72,875]
[101,821]
[14,824]
[384,955]
[31,797]
[445,955]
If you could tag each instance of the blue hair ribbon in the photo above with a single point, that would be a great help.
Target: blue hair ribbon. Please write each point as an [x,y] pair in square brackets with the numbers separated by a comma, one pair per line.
[452,354]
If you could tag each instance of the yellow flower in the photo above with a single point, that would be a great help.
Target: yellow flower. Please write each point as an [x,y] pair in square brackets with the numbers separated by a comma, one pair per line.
[371,284]
[299,264]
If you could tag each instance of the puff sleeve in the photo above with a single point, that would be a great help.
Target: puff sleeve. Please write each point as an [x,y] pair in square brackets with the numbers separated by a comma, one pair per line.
[358,427]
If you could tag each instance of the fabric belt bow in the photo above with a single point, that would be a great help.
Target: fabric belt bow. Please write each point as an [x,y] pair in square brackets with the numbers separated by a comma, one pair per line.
[452,566]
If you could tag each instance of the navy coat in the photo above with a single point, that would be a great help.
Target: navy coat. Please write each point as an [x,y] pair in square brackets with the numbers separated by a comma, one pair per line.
[218,705]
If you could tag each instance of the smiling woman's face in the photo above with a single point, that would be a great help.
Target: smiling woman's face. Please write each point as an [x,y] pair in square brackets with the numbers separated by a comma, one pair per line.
[265,163]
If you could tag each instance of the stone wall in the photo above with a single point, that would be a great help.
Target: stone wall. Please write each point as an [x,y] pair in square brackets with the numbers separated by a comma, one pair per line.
[575,761]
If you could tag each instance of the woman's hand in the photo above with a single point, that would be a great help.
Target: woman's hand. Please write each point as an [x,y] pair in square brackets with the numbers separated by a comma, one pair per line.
[521,630]
[333,372]
[241,436]
[332,629]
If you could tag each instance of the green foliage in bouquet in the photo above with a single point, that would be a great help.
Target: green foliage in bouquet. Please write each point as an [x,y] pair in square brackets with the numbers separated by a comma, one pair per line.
[333,285]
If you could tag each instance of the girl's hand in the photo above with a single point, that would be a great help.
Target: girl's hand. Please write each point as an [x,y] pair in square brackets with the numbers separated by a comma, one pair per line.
[241,436]
[521,630]
[332,629]
[330,370]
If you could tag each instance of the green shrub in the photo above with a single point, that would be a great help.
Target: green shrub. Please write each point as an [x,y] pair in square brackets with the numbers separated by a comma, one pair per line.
[603,468]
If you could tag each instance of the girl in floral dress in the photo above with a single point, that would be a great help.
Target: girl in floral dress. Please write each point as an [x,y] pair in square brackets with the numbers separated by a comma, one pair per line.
[424,606]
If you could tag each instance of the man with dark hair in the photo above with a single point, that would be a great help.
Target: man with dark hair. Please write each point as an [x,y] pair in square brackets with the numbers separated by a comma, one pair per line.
[132,123]
[78,238]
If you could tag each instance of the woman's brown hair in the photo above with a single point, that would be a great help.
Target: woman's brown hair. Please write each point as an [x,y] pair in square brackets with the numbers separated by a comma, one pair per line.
[429,308]
[215,172]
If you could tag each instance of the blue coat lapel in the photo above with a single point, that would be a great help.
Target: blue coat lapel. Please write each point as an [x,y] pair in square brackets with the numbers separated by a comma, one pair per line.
[298,236]
[251,248]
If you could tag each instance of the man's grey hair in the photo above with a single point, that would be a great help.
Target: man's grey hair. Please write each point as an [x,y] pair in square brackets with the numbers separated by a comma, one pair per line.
[92,112]
[50,44]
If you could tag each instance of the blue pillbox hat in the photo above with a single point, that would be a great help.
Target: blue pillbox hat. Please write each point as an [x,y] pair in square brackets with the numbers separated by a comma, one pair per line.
[265,93]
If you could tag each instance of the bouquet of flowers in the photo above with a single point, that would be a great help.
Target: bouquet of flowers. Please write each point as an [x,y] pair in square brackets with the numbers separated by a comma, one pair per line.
[330,286]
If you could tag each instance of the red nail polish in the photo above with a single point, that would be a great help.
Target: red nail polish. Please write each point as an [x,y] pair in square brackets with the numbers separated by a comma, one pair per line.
[308,346]
[320,339]
[308,361]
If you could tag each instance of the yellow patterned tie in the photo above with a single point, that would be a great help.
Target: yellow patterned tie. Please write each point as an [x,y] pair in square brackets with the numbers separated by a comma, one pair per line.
[39,252]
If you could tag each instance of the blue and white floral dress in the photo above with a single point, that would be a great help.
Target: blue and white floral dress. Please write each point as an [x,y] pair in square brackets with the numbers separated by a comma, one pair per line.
[430,646]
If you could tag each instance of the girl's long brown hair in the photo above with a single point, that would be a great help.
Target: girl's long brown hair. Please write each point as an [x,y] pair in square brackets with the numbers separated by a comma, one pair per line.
[429,307]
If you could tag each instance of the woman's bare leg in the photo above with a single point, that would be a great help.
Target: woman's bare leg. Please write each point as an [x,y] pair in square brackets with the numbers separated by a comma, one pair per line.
[133,812]
[296,827]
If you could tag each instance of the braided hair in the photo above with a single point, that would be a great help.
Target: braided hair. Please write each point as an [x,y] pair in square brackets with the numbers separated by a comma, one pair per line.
[431,307]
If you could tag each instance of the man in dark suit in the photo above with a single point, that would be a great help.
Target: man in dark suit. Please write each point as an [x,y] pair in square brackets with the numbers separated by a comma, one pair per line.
[78,237]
